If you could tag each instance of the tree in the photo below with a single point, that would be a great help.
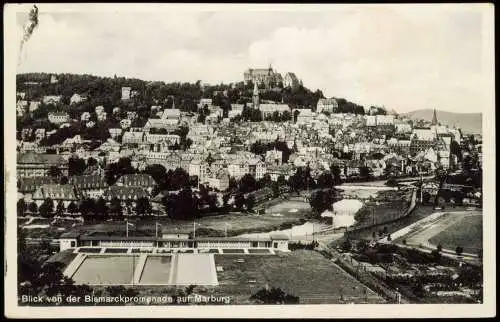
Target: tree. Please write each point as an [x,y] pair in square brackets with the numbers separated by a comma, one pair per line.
[116,207]
[274,296]
[54,172]
[325,180]
[21,207]
[250,202]
[157,172]
[346,245]
[322,200]
[239,201]
[143,207]
[365,172]
[335,171]
[281,181]
[439,248]
[456,150]
[47,208]
[60,208]
[87,206]
[91,162]
[247,183]
[101,208]
[72,208]
[76,166]
[33,208]
[265,181]
[459,250]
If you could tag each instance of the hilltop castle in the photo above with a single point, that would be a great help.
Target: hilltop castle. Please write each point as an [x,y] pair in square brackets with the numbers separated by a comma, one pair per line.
[269,78]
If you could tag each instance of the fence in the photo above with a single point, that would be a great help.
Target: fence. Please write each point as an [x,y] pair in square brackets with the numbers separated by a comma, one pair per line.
[359,272]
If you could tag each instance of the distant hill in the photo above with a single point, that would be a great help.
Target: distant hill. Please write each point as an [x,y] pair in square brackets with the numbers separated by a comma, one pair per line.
[469,122]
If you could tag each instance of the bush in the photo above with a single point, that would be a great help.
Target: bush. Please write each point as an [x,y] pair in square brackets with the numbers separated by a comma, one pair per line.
[274,296]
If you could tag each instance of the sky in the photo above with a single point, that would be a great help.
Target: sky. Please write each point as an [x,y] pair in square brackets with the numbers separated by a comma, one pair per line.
[402,57]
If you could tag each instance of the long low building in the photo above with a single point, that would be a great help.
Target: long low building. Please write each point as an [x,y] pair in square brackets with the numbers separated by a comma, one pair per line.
[167,242]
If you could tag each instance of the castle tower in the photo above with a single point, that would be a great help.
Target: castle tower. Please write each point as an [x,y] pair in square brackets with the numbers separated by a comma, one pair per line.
[434,118]
[255,98]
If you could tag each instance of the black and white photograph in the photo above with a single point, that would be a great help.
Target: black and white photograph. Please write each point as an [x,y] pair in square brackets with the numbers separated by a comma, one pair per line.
[183,160]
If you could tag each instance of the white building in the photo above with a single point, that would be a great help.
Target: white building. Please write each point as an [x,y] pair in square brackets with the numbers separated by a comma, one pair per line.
[290,80]
[423,134]
[126,93]
[329,105]
[371,120]
[305,116]
[77,98]
[58,117]
[51,99]
[385,119]
[403,128]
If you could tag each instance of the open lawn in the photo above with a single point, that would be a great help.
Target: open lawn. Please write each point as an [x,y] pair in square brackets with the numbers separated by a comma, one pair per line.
[237,223]
[306,274]
[467,233]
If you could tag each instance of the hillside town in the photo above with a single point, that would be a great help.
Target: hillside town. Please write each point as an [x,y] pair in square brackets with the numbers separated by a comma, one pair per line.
[215,145]
[99,152]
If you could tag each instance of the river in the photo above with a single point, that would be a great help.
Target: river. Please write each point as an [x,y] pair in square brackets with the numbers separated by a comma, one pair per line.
[342,216]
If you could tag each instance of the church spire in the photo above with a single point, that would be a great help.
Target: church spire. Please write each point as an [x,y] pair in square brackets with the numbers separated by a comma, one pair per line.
[434,118]
[255,96]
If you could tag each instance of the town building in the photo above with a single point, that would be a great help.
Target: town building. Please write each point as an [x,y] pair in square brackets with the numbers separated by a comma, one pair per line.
[328,105]
[126,93]
[65,193]
[34,105]
[125,193]
[32,164]
[90,186]
[51,99]
[385,119]
[305,116]
[268,110]
[274,157]
[290,80]
[77,98]
[28,185]
[58,117]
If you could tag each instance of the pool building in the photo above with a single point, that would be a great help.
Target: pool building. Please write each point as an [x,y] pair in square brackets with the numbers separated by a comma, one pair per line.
[170,242]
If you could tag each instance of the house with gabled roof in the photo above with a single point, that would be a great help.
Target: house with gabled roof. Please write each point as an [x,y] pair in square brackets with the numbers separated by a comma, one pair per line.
[91,186]
[65,193]
[32,164]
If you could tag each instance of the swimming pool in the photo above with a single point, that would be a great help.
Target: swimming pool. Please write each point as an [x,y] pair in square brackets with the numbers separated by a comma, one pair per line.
[146,269]
[106,270]
[156,270]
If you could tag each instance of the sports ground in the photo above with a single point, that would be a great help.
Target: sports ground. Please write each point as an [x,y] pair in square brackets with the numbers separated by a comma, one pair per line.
[467,232]
[448,229]
[306,274]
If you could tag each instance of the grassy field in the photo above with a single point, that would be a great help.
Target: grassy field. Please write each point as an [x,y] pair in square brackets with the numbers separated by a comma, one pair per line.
[467,233]
[238,223]
[303,273]
[306,274]
[420,212]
